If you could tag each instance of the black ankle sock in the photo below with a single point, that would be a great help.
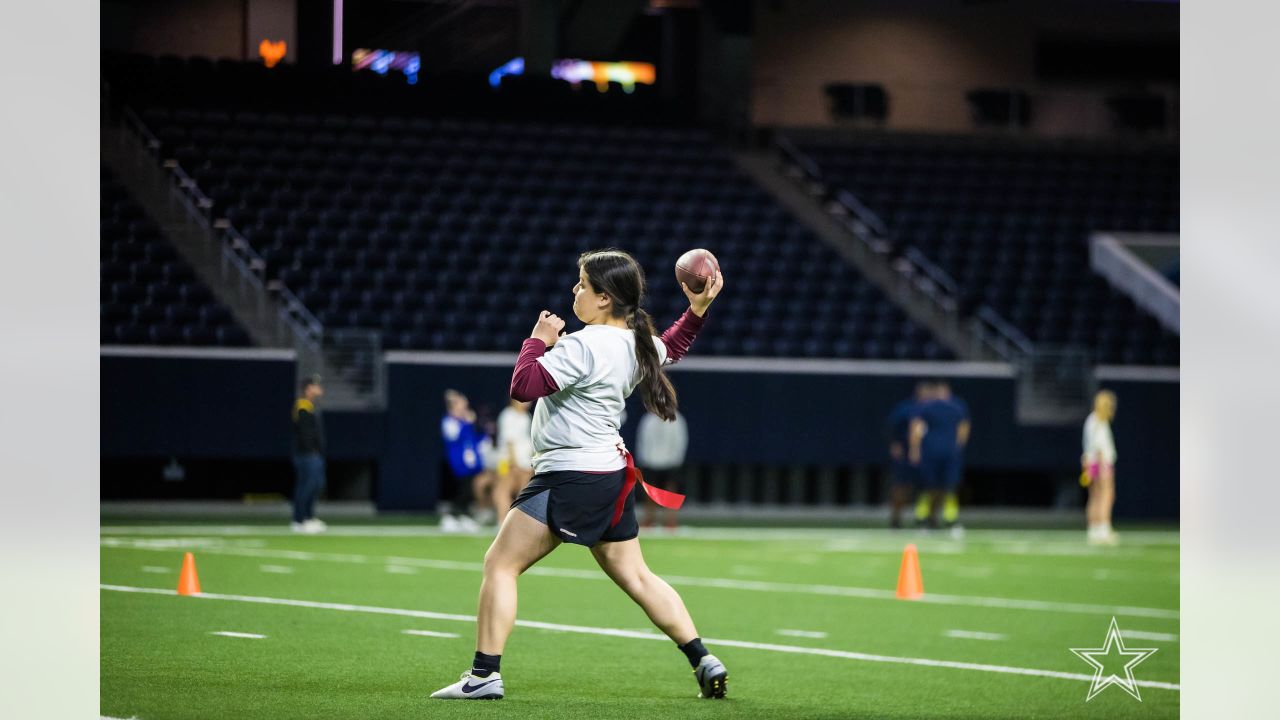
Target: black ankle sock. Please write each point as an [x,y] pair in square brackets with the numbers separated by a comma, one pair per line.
[694,650]
[485,665]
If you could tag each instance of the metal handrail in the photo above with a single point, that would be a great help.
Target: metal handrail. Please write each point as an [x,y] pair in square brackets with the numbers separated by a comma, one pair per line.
[934,273]
[798,158]
[858,209]
[134,123]
[253,265]
[236,250]
[1008,341]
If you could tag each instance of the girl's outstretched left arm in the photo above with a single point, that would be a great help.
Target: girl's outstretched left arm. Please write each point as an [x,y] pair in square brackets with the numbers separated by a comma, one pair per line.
[680,335]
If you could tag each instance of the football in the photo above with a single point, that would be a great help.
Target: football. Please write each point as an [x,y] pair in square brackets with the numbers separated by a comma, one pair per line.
[695,268]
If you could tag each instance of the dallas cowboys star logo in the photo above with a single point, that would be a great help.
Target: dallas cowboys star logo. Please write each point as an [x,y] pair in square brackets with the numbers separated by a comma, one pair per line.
[1113,645]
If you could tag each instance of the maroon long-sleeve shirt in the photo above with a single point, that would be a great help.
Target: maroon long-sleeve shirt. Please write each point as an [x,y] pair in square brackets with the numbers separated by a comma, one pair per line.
[530,381]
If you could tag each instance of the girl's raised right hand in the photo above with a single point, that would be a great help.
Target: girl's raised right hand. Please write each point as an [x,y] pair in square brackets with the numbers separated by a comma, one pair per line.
[548,327]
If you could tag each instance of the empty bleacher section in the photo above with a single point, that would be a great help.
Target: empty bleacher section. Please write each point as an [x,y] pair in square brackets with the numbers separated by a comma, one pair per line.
[451,234]
[1009,220]
[149,295]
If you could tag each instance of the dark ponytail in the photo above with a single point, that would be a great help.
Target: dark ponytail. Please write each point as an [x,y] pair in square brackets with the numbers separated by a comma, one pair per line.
[656,390]
[618,275]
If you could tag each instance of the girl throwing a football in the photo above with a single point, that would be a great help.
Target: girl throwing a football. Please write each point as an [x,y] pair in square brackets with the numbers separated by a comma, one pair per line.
[581,491]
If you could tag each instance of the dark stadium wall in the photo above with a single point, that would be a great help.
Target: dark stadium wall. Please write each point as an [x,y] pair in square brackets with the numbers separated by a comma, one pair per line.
[216,29]
[237,409]
[929,53]
[208,28]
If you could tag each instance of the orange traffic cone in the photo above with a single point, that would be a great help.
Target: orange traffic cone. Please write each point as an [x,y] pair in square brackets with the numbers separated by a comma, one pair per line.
[188,583]
[910,584]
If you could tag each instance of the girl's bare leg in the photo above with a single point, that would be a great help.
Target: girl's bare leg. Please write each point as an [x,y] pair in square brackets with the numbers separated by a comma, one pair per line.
[521,542]
[624,564]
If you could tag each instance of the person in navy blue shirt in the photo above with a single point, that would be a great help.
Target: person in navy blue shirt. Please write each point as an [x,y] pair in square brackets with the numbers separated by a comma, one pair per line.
[904,474]
[462,438]
[939,433]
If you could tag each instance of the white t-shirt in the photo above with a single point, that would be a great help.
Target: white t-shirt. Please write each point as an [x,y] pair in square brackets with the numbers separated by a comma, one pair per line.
[1098,439]
[515,441]
[660,445]
[576,428]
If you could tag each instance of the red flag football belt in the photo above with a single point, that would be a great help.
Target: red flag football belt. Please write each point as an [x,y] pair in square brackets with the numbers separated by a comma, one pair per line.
[665,498]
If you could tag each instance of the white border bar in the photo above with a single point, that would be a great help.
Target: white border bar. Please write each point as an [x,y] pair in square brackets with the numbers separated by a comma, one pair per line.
[800,366]
[1139,373]
[795,366]
[197,353]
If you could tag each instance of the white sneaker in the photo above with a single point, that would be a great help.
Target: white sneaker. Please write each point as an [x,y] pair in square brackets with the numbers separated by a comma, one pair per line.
[473,688]
[316,525]
[468,524]
[712,677]
[450,524]
[298,527]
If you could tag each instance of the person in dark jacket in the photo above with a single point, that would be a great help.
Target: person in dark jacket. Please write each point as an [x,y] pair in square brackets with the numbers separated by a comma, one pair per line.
[308,457]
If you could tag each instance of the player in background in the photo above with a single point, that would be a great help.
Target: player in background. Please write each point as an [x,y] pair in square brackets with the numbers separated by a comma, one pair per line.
[660,449]
[308,457]
[903,473]
[515,452]
[939,433]
[462,440]
[581,491]
[483,489]
[951,499]
[1099,465]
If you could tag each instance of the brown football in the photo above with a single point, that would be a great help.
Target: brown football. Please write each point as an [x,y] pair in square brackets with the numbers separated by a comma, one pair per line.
[695,268]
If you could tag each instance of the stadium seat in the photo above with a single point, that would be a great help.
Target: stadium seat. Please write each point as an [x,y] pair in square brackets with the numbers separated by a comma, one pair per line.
[439,248]
[1010,220]
[150,296]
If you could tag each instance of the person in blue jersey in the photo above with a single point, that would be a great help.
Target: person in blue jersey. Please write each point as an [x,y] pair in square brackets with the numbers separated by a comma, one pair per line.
[903,473]
[939,433]
[462,438]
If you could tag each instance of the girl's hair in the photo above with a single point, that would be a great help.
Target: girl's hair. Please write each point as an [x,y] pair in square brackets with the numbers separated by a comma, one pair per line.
[618,275]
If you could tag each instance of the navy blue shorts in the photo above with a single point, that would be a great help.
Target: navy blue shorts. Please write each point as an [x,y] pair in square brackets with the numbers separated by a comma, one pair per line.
[940,473]
[904,473]
[577,507]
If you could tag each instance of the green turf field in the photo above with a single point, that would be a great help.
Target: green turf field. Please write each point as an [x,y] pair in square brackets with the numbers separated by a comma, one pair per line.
[804,619]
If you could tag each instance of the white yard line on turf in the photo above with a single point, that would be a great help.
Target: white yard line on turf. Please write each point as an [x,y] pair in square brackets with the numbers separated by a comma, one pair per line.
[1025,538]
[277,569]
[802,633]
[156,569]
[974,635]
[721,583]
[233,634]
[615,632]
[431,633]
[1144,635]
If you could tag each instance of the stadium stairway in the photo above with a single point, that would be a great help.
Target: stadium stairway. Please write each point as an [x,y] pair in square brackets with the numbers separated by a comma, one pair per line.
[128,159]
[944,323]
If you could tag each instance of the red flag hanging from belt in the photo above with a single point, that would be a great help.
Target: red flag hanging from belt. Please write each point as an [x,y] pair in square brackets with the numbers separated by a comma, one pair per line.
[665,498]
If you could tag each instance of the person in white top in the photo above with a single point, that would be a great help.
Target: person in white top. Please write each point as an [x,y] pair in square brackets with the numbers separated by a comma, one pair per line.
[1098,463]
[660,449]
[515,453]
[581,491]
